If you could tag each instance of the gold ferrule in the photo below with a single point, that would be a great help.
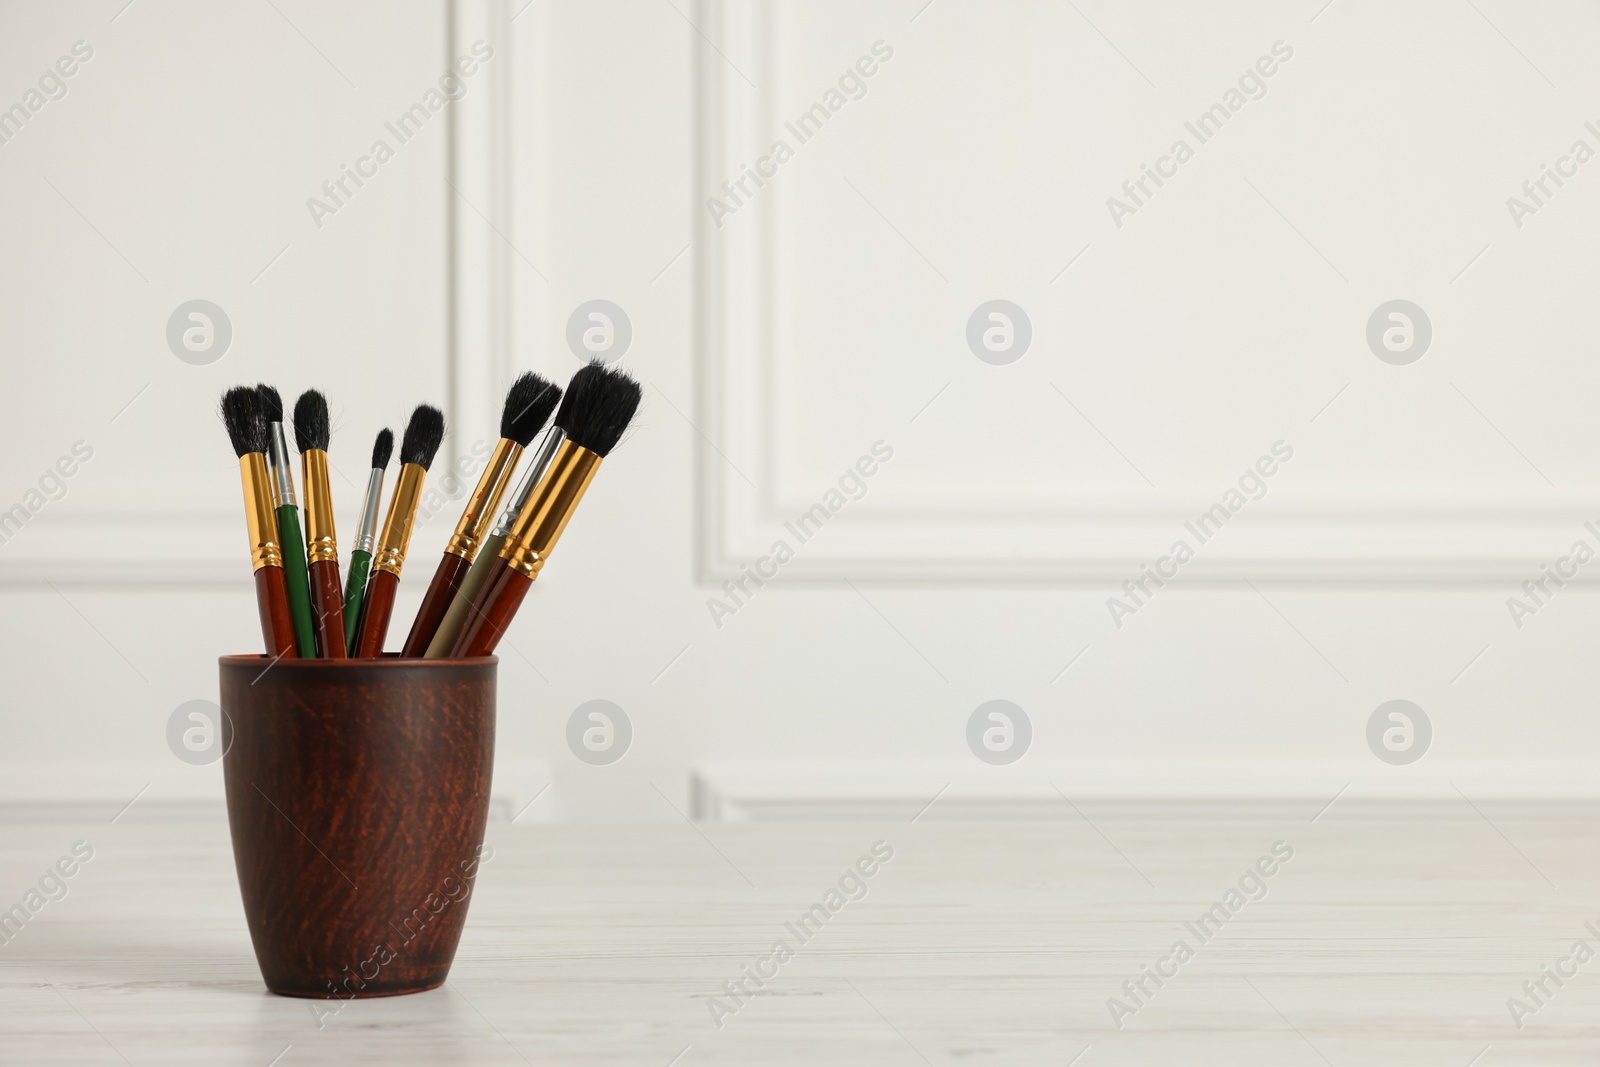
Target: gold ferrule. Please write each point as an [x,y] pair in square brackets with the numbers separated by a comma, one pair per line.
[485,501]
[396,537]
[546,513]
[322,544]
[258,514]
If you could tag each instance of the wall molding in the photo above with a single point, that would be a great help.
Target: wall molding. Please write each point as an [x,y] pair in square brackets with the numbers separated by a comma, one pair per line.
[153,545]
[480,181]
[166,791]
[901,792]
[1352,535]
[204,545]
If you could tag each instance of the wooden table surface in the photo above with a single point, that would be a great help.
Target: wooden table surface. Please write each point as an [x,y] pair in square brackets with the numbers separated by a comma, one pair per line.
[1382,940]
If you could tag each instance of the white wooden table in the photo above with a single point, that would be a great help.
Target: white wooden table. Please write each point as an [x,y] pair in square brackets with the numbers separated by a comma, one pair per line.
[1382,941]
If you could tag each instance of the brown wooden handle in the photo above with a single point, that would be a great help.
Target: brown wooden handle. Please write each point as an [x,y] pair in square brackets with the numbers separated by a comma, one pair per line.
[375,612]
[491,613]
[277,625]
[327,609]
[435,602]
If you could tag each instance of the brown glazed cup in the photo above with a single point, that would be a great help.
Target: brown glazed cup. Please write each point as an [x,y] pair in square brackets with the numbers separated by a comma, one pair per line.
[357,791]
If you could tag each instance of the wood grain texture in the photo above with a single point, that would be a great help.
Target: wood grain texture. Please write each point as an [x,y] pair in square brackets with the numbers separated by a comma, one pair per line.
[327,609]
[435,602]
[1385,941]
[376,609]
[357,797]
[272,601]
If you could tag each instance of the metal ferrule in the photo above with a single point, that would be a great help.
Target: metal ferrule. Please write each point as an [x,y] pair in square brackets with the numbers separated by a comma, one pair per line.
[282,473]
[391,554]
[540,524]
[258,515]
[272,481]
[492,486]
[530,478]
[322,544]
[367,532]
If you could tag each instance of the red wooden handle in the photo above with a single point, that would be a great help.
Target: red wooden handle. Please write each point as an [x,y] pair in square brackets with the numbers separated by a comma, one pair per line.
[375,612]
[272,600]
[435,602]
[491,613]
[327,609]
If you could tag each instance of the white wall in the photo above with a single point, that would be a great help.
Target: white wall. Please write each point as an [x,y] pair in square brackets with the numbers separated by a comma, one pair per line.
[819,318]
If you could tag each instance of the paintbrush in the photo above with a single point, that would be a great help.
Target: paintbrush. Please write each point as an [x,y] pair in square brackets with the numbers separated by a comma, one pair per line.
[422,437]
[290,539]
[598,405]
[488,560]
[311,433]
[528,405]
[355,583]
[245,418]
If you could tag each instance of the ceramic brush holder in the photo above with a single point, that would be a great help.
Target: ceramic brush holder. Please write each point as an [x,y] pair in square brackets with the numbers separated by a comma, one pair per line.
[358,792]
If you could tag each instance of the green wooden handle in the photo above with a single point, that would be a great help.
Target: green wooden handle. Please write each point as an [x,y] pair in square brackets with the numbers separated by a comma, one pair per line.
[355,587]
[293,543]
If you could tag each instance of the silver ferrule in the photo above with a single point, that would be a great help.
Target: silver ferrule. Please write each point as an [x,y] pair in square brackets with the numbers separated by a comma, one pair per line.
[369,512]
[530,478]
[282,473]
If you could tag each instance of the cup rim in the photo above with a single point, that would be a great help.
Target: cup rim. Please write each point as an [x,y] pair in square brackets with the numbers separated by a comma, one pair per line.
[389,660]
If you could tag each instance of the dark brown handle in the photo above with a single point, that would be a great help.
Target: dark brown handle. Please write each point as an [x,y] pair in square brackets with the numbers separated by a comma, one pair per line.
[327,609]
[375,612]
[491,612]
[435,602]
[277,625]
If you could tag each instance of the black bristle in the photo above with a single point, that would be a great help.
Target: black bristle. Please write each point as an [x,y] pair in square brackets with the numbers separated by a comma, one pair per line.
[529,402]
[245,419]
[383,448]
[423,434]
[271,402]
[311,424]
[597,407]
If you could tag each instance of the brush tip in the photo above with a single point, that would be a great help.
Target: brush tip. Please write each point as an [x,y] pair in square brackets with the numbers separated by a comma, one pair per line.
[423,435]
[383,448]
[598,405]
[271,402]
[311,423]
[245,419]
[529,402]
